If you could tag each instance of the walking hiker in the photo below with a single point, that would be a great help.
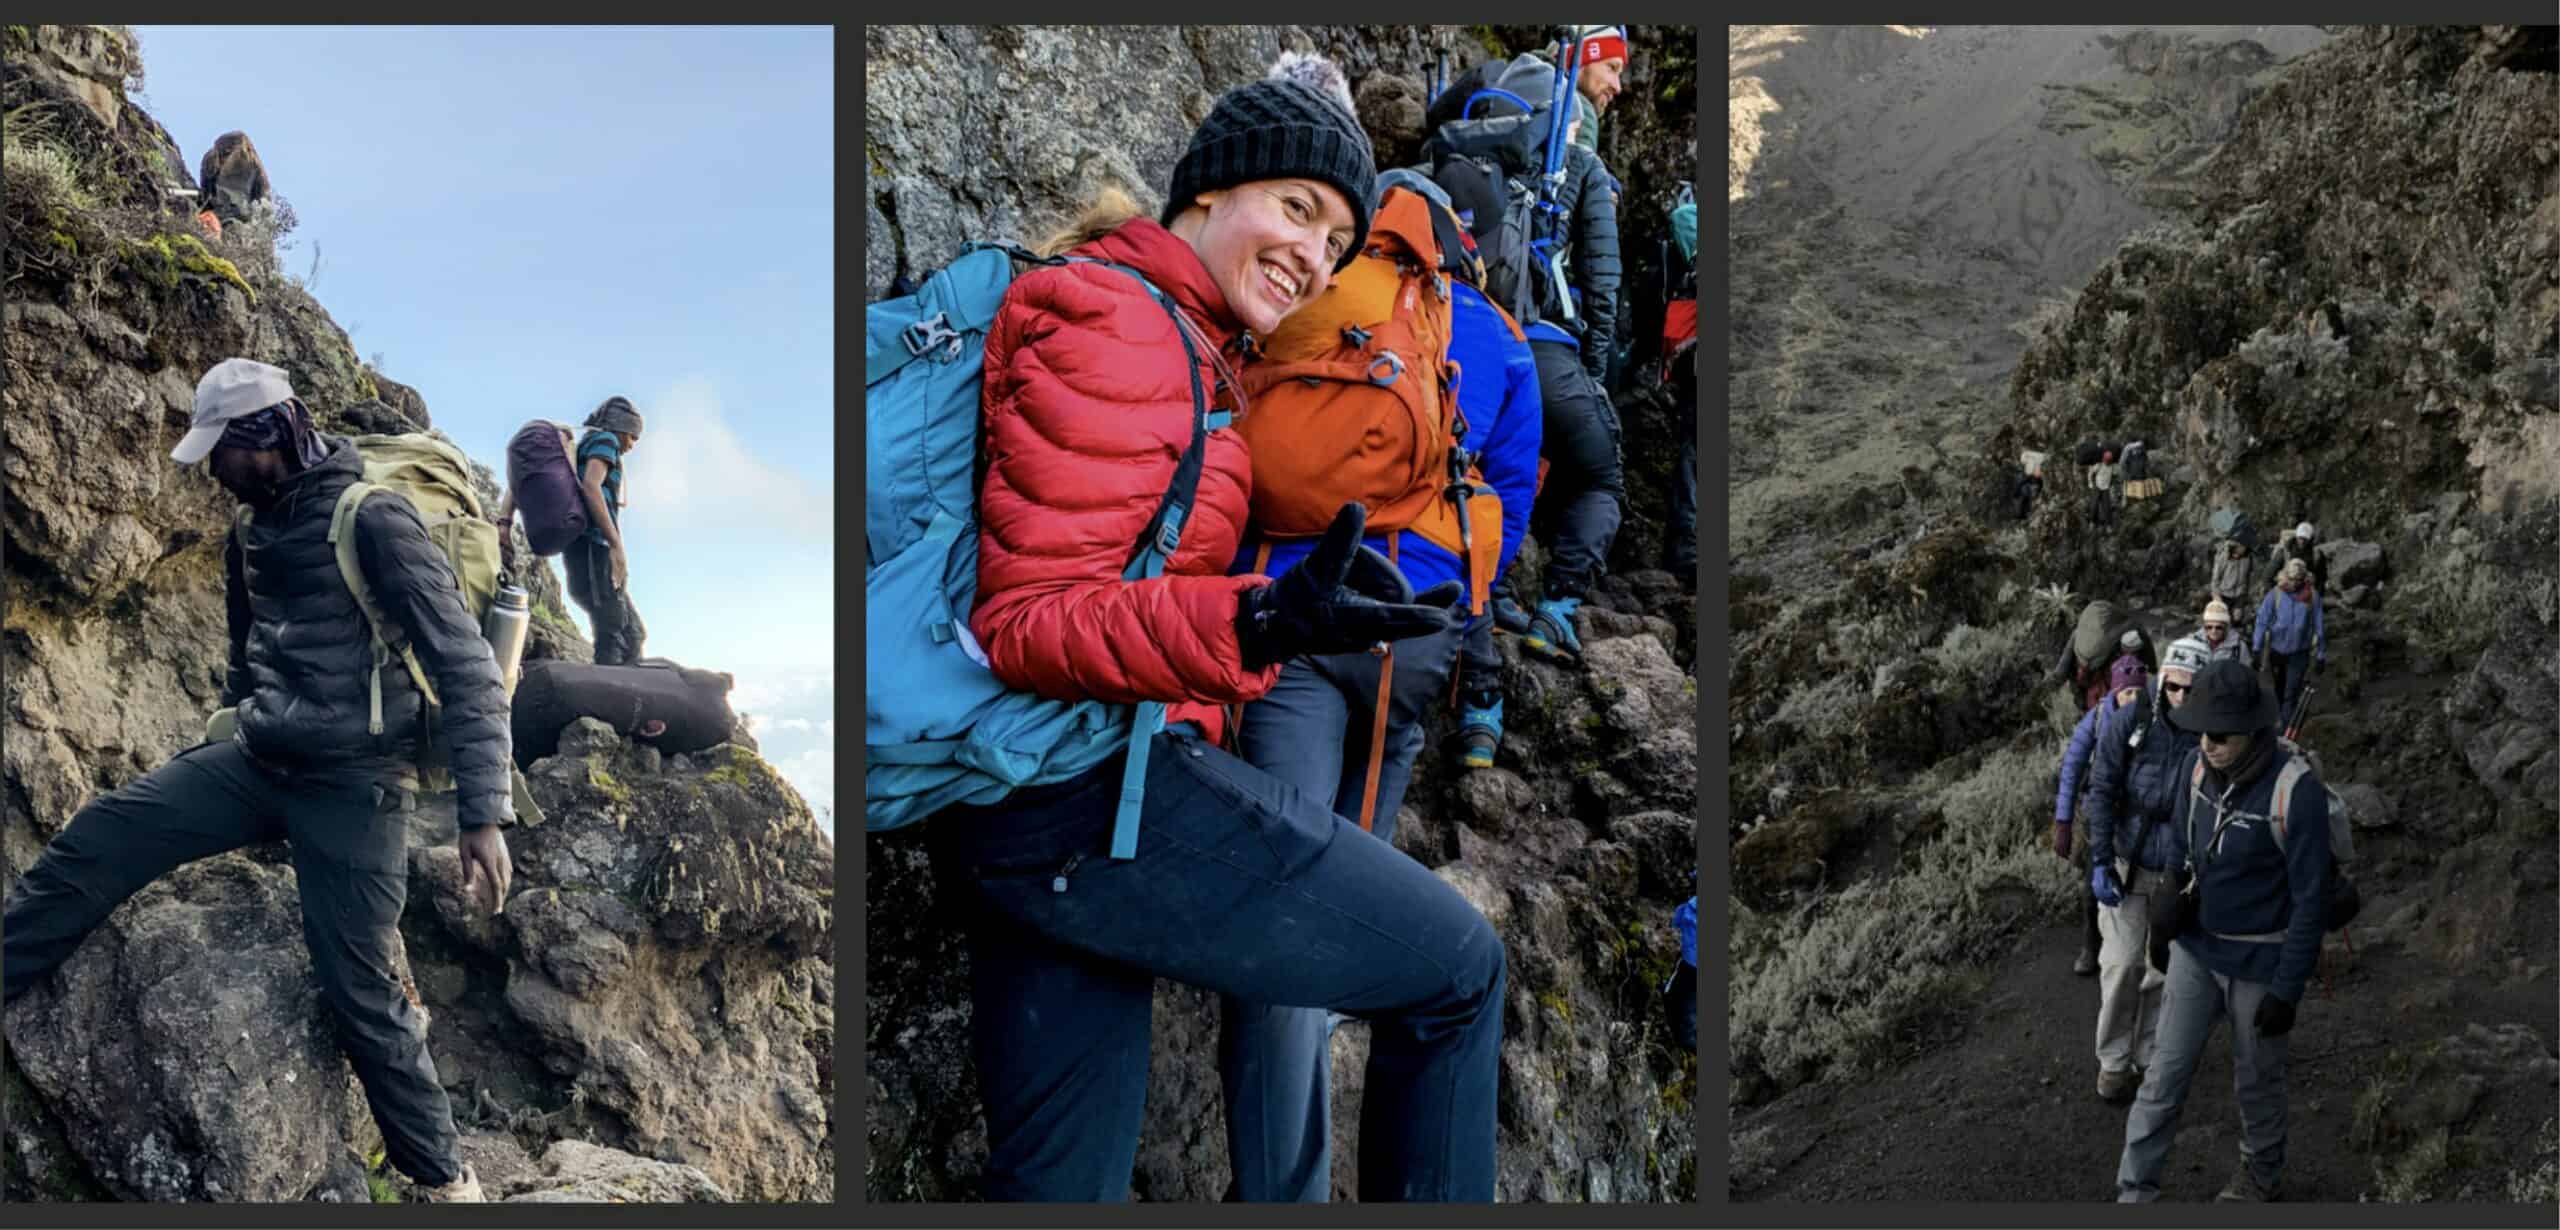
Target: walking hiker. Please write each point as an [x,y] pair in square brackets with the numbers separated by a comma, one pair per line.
[2246,931]
[1680,372]
[2291,625]
[2216,635]
[304,763]
[1167,856]
[1343,729]
[2133,849]
[2231,573]
[1581,503]
[2296,545]
[2102,482]
[598,568]
[2125,681]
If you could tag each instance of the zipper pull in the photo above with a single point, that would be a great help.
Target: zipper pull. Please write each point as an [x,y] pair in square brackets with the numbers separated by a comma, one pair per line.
[1058,883]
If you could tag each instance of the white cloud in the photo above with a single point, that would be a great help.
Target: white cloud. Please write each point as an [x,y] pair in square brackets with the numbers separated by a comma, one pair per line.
[813,774]
[692,474]
[827,728]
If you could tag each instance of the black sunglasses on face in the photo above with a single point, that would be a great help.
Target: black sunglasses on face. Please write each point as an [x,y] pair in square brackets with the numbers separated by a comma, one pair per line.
[2219,740]
[2175,689]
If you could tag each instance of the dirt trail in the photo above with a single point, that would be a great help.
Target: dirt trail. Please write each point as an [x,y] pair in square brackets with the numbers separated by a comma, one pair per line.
[1994,1098]
[1904,198]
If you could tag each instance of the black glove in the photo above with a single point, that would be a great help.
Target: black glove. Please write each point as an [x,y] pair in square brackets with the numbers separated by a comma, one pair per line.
[1342,598]
[2275,1017]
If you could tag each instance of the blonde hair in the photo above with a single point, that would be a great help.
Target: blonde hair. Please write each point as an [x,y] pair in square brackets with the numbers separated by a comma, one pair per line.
[1108,211]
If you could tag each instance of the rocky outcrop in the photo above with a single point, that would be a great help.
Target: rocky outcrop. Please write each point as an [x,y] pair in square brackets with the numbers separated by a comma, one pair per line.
[660,983]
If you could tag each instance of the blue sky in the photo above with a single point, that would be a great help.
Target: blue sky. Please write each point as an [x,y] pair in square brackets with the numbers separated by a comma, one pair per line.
[522,221]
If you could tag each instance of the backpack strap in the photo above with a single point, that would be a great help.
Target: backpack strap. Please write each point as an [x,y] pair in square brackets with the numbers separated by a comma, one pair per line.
[386,632]
[1155,547]
[2294,768]
[940,334]
[1378,719]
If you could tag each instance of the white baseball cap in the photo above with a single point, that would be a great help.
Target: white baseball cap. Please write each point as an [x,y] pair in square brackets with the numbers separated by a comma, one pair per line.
[235,388]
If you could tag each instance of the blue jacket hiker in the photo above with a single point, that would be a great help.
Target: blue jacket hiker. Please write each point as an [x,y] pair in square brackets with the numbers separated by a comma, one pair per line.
[2257,914]
[2290,622]
[1328,714]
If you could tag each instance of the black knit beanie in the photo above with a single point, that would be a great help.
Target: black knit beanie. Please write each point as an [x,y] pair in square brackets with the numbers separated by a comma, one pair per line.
[1278,129]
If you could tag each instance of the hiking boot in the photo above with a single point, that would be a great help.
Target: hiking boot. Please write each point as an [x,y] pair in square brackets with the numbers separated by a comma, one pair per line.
[2087,962]
[465,1190]
[1480,732]
[2244,1188]
[1551,633]
[2117,1088]
[1509,615]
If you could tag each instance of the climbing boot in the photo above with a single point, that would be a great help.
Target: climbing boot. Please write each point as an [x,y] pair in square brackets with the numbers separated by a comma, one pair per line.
[1480,733]
[2117,1088]
[465,1190]
[2244,1188]
[1551,633]
[1509,616]
[2087,963]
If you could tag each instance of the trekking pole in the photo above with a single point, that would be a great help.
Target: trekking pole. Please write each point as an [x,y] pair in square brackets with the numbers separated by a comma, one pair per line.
[1460,491]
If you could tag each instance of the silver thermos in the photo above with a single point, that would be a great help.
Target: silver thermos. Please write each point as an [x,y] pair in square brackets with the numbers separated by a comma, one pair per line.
[510,616]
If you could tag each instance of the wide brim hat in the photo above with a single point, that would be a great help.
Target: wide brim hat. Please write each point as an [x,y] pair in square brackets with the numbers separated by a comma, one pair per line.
[2225,699]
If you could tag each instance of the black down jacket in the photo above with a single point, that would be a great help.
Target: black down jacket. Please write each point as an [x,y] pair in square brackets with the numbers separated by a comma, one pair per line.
[301,651]
[1597,268]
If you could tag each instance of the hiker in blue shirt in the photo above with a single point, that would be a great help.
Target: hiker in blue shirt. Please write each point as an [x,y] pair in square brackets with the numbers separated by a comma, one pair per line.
[2243,948]
[2290,622]
[599,570]
[2125,682]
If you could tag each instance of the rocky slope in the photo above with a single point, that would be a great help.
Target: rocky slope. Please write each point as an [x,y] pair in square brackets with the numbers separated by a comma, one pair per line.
[2347,317]
[651,1016]
[1577,846]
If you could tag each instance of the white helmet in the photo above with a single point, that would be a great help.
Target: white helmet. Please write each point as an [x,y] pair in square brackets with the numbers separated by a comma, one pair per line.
[2303,531]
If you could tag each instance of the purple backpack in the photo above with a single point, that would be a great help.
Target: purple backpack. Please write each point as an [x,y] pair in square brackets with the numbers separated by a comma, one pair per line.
[545,484]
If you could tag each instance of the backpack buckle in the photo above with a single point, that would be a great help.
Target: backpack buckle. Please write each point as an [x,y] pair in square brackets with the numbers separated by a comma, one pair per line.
[1393,362]
[931,332]
[1356,337]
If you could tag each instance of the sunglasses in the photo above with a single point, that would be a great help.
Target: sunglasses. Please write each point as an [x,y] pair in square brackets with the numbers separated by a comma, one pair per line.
[2219,740]
[2175,689]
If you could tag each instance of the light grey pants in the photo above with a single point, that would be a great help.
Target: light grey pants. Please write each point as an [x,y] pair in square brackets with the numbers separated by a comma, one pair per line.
[2128,988]
[2192,999]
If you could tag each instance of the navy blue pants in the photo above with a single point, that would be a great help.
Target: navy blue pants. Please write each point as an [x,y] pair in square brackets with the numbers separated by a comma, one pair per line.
[2292,671]
[1577,513]
[1312,731]
[1242,886]
[350,856]
[1680,534]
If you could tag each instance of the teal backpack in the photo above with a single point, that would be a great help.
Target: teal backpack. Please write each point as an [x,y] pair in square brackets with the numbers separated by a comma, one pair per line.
[939,729]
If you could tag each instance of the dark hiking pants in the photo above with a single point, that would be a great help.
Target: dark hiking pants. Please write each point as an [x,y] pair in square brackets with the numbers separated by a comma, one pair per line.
[1479,663]
[1312,731]
[350,855]
[589,565]
[1243,886]
[1680,536]
[1579,509]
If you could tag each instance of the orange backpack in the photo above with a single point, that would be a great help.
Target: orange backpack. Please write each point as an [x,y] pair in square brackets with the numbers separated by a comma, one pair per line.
[1355,398]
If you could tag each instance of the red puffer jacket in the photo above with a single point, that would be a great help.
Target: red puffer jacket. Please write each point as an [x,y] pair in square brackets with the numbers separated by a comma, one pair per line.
[1087,412]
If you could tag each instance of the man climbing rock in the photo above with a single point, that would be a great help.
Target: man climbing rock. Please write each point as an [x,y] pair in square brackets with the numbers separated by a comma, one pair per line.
[301,765]
[2102,490]
[2231,573]
[231,178]
[2132,851]
[2242,945]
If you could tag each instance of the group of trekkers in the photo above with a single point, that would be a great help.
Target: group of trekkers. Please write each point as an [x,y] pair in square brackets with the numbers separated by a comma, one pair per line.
[2210,857]
[375,654]
[1176,538]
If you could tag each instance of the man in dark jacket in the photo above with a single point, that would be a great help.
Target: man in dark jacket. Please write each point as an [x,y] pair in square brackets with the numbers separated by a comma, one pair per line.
[230,179]
[300,764]
[2133,849]
[2254,930]
[1583,499]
